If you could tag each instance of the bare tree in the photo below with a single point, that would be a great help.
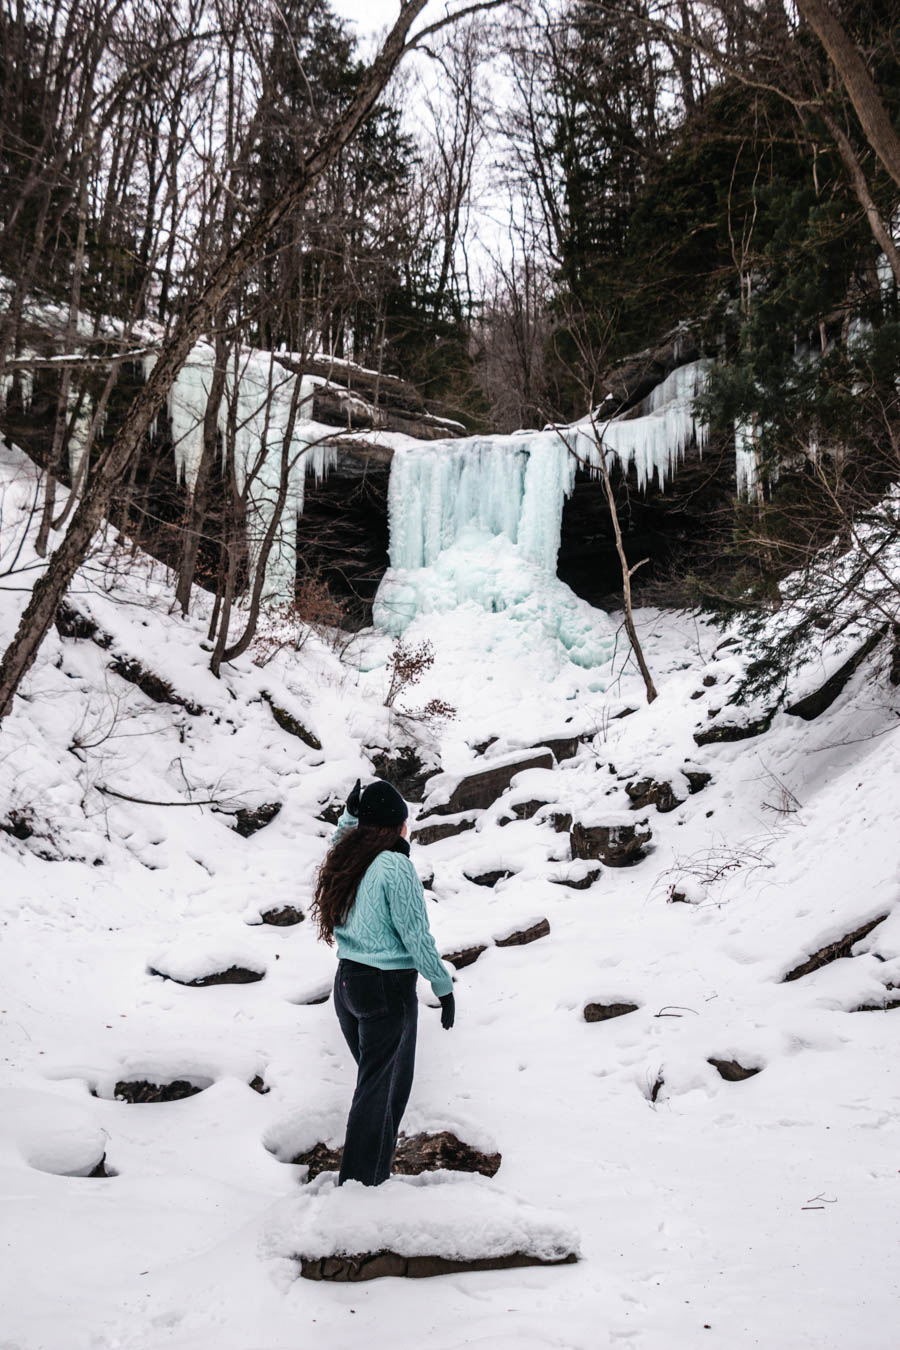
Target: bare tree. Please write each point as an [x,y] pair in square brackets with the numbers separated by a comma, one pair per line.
[196,313]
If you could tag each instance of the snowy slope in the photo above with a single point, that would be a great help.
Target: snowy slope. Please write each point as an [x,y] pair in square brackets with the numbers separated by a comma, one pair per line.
[710,1212]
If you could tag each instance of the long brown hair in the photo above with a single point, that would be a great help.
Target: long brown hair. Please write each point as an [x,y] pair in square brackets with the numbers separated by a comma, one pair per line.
[345,865]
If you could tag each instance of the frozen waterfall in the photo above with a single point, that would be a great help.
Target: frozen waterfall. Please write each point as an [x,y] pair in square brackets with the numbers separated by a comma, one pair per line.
[259,392]
[477,522]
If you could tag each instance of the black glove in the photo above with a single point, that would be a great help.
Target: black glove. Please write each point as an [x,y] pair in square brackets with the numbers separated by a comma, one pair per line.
[448,1011]
[353,800]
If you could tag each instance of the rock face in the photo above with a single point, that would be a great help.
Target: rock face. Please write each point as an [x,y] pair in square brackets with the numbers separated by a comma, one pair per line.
[432,831]
[480,790]
[823,697]
[292,725]
[726,731]
[615,845]
[403,770]
[373,1265]
[416,1153]
[154,686]
[603,1012]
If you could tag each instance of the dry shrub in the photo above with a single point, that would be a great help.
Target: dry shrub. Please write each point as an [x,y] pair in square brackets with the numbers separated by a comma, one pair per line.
[287,626]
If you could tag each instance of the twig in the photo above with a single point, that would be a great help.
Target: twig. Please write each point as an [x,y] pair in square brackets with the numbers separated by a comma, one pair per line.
[145,801]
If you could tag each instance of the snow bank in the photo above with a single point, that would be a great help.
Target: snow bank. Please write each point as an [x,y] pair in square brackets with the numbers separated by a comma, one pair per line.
[454,1215]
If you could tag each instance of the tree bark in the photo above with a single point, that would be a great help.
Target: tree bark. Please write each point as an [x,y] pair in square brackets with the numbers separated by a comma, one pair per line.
[850,66]
[880,232]
[233,262]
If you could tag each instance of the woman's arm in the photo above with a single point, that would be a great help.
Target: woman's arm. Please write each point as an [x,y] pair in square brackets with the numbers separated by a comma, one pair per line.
[406,902]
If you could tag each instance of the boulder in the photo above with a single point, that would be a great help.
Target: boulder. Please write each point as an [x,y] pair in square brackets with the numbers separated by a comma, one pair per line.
[560,820]
[404,770]
[285,916]
[697,779]
[416,1153]
[140,1091]
[647,792]
[582,883]
[488,878]
[249,819]
[565,747]
[725,731]
[603,1012]
[479,790]
[615,845]
[731,1071]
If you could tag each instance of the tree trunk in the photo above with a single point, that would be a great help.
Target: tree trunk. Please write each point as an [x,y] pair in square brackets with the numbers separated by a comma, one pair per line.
[873,115]
[113,463]
[627,572]
[196,505]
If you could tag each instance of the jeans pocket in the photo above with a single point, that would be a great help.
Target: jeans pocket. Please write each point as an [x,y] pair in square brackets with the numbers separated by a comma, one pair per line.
[364,992]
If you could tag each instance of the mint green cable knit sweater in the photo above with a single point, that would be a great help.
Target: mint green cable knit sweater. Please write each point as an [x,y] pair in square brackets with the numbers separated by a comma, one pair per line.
[388,924]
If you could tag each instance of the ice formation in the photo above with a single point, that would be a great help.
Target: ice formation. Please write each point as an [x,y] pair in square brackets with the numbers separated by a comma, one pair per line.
[477,521]
[262,393]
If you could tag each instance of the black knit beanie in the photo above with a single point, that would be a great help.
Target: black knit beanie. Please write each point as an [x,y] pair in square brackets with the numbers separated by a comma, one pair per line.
[381,805]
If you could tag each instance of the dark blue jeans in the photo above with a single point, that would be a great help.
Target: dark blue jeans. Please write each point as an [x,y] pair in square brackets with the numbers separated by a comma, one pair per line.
[378,1011]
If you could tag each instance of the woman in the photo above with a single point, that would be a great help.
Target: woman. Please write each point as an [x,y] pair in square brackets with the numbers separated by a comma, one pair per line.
[370,899]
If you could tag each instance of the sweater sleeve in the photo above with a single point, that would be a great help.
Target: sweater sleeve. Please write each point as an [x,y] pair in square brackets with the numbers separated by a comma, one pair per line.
[346,822]
[406,901]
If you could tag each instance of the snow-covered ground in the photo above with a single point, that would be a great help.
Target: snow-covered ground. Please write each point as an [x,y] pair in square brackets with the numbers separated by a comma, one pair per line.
[763,1212]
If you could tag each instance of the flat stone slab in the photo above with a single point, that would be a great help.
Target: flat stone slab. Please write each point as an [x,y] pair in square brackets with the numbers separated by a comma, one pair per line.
[479,790]
[464,956]
[375,1265]
[604,1012]
[434,1224]
[433,831]
[520,937]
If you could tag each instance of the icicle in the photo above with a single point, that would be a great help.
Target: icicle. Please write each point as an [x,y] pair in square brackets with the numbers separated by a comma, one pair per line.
[78,434]
[654,442]
[187,409]
[746,461]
